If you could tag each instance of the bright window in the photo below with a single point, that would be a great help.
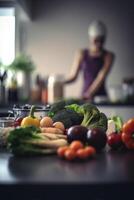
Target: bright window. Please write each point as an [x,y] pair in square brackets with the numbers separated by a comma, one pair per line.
[7,35]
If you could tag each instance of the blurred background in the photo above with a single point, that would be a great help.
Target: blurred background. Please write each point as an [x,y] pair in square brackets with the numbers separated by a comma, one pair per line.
[50,32]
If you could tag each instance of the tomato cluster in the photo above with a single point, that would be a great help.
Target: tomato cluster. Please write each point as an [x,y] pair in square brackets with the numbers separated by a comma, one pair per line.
[76,150]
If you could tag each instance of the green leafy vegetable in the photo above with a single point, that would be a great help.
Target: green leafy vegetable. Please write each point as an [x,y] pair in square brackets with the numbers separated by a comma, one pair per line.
[92,118]
[60,105]
[73,114]
[20,141]
[118,122]
[68,117]
[56,107]
[100,123]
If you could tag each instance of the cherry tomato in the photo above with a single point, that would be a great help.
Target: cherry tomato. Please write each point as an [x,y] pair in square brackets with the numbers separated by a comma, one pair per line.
[75,145]
[82,154]
[90,151]
[61,151]
[70,154]
[114,140]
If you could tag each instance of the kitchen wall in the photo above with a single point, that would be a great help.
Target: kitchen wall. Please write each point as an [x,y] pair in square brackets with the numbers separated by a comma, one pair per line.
[59,28]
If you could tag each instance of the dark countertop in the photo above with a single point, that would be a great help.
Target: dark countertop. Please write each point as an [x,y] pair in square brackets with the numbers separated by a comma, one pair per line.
[97,178]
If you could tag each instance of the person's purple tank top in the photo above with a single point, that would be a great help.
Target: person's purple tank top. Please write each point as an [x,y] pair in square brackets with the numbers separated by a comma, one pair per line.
[90,67]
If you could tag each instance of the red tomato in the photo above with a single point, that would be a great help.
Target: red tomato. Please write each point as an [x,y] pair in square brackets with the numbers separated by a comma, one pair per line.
[70,154]
[114,140]
[75,145]
[61,151]
[90,151]
[82,154]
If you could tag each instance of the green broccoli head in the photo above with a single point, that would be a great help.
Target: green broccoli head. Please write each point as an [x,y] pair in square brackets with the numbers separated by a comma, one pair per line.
[68,117]
[92,118]
[60,105]
[100,123]
[90,113]
[56,107]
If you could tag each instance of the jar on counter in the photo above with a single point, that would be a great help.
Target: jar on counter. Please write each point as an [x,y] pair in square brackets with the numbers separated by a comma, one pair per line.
[128,89]
[55,88]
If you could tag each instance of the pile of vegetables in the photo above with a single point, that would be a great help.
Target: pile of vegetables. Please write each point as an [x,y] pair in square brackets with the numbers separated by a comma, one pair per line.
[87,115]
[74,131]
[30,141]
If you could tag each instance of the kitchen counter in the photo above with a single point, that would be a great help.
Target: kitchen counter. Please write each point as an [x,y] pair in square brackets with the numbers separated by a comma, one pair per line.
[108,176]
[126,111]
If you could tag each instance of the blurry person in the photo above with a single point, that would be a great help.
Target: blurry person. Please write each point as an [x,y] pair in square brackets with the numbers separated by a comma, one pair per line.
[94,62]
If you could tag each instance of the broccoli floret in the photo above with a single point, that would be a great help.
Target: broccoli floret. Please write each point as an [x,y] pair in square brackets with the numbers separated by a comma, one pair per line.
[60,105]
[87,115]
[92,118]
[68,117]
[90,113]
[56,107]
[100,123]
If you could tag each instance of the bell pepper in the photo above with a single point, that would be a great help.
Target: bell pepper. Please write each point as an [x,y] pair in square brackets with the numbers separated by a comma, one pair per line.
[128,134]
[31,120]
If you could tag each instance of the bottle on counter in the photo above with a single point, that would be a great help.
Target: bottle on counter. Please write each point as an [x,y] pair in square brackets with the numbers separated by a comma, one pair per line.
[13,91]
[55,88]
[2,93]
[3,77]
[35,96]
[44,92]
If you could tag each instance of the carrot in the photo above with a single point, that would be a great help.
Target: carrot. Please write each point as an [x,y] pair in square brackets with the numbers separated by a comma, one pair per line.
[53,136]
[52,130]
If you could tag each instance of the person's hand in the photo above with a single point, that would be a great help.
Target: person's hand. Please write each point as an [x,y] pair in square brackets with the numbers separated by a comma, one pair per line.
[87,96]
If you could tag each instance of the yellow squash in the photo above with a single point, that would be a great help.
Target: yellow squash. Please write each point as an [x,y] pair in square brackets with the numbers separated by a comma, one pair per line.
[31,120]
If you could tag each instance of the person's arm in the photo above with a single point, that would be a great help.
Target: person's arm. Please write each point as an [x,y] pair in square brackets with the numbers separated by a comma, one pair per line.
[94,87]
[75,67]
